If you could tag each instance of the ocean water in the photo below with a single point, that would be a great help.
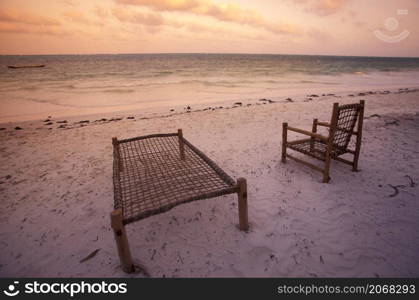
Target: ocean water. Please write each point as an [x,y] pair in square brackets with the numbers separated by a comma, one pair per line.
[84,84]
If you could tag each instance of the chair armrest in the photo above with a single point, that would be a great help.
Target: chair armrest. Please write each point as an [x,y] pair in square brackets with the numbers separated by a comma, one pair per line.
[325,124]
[312,134]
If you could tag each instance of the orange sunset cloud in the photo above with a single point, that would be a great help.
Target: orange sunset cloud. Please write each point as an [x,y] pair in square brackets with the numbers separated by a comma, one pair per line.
[341,27]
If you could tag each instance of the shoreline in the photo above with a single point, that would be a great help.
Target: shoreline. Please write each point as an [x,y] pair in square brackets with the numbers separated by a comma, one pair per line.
[74,121]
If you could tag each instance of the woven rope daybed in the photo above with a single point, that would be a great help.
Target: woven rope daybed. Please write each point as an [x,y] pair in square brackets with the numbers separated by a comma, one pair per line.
[154,173]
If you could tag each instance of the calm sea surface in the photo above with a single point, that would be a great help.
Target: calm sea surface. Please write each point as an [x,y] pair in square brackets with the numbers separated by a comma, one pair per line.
[79,84]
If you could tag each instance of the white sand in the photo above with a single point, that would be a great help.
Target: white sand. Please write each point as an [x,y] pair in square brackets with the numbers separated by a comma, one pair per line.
[56,195]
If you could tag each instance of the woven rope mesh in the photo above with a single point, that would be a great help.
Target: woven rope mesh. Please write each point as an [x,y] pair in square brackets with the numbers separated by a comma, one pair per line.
[150,178]
[348,115]
[316,149]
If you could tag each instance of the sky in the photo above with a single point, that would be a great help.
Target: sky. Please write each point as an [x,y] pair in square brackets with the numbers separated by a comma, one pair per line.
[314,27]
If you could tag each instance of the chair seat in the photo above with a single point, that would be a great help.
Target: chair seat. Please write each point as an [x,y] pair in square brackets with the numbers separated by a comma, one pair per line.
[317,151]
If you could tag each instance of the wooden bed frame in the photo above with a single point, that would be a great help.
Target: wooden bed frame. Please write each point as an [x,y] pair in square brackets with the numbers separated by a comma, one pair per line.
[154,173]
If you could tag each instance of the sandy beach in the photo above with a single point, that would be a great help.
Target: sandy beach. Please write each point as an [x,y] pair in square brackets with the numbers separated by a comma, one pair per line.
[56,194]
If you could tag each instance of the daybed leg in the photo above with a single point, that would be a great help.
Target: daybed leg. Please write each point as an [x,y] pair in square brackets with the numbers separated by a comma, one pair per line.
[121,241]
[284,142]
[116,152]
[242,195]
[181,144]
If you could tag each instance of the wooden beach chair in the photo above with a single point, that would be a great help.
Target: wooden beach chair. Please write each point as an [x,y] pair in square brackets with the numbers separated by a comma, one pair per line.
[325,148]
[154,173]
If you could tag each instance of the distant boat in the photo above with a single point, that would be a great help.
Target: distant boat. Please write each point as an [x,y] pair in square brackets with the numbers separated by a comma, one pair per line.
[27,66]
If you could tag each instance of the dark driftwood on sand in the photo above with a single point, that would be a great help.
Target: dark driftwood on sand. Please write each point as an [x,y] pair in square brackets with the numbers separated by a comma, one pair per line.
[27,66]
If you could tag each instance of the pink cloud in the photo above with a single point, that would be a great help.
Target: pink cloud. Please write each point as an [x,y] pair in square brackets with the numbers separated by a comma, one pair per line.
[13,16]
[101,12]
[21,22]
[227,12]
[323,7]
[151,19]
[76,16]
[25,29]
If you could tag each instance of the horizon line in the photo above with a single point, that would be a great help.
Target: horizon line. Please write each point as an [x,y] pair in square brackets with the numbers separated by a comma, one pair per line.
[204,53]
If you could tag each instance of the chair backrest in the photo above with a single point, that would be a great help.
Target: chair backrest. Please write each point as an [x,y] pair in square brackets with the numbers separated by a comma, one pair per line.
[343,123]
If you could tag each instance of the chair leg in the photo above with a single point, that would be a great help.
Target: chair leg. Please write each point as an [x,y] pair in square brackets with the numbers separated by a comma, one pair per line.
[355,164]
[284,142]
[359,136]
[314,130]
[326,176]
[355,161]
